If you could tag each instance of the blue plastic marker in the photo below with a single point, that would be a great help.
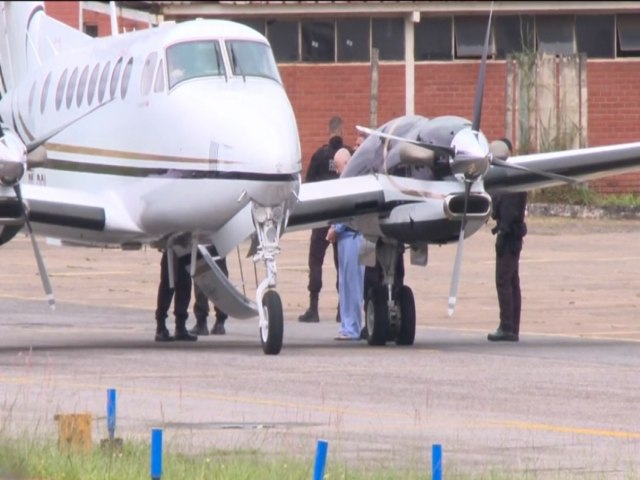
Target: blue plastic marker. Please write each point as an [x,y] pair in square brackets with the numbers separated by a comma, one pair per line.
[321,460]
[156,454]
[111,413]
[436,462]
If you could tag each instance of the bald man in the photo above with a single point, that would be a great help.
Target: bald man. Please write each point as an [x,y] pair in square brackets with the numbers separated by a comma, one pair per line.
[350,272]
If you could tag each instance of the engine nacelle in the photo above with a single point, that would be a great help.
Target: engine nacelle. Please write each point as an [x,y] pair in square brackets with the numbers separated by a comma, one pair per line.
[11,218]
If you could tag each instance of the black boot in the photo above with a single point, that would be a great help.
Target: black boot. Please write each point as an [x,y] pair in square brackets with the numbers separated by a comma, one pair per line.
[201,329]
[162,333]
[311,315]
[182,333]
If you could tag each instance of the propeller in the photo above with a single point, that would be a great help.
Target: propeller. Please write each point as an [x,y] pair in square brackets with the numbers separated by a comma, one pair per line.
[13,164]
[473,161]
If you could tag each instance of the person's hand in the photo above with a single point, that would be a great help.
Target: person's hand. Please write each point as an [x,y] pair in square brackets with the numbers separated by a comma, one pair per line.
[331,235]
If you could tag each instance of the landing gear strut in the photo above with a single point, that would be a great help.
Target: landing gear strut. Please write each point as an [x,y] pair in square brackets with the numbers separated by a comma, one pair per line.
[269,222]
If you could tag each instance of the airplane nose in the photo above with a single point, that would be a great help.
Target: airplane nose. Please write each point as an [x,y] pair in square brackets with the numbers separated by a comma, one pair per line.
[260,131]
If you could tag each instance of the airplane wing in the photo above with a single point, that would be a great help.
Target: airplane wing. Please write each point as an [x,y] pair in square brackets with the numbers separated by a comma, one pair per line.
[581,164]
[320,203]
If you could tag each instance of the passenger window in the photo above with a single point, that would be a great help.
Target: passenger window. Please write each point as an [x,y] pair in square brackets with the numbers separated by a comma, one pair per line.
[104,78]
[147,73]
[82,85]
[45,93]
[159,85]
[114,78]
[93,83]
[60,90]
[72,86]
[126,77]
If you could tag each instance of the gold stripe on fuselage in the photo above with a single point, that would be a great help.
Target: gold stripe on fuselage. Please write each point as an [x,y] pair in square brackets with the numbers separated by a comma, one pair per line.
[124,155]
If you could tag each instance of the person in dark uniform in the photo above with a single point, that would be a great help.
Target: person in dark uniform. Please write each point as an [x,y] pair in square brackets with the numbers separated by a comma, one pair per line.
[508,212]
[201,305]
[321,167]
[181,296]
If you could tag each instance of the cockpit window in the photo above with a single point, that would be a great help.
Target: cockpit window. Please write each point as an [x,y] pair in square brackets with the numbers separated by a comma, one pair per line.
[252,59]
[194,59]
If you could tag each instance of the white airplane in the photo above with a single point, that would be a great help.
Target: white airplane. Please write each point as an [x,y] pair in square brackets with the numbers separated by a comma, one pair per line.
[417,181]
[179,137]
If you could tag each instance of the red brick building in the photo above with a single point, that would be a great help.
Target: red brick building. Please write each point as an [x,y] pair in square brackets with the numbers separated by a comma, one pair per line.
[429,58]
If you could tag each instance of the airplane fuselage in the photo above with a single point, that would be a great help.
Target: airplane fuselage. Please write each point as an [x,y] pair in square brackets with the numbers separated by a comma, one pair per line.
[166,153]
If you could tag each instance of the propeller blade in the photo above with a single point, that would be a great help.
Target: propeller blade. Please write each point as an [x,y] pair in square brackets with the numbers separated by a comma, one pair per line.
[455,279]
[477,104]
[41,268]
[448,151]
[554,176]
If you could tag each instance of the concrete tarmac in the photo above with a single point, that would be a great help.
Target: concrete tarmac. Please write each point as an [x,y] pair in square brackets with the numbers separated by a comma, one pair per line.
[561,403]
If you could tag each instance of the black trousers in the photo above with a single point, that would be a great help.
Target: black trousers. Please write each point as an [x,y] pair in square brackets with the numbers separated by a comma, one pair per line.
[201,305]
[317,251]
[508,287]
[181,294]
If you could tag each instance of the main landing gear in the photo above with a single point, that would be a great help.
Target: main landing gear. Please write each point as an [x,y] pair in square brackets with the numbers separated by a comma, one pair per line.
[390,309]
[268,222]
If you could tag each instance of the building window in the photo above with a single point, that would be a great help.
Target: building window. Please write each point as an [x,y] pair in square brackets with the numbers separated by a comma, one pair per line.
[257,24]
[284,39]
[45,93]
[159,85]
[470,34]
[434,38]
[93,83]
[318,40]
[387,35]
[82,85]
[514,34]
[62,83]
[90,29]
[71,87]
[104,79]
[126,78]
[353,39]
[595,35]
[555,34]
[628,35]
[115,76]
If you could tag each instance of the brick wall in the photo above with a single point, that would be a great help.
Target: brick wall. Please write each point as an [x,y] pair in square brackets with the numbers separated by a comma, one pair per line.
[69,13]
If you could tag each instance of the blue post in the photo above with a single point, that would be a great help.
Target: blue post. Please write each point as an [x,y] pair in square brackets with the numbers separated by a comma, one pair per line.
[111,413]
[156,454]
[321,460]
[436,462]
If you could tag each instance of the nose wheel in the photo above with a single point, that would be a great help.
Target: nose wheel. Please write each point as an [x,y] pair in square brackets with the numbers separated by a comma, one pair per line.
[272,329]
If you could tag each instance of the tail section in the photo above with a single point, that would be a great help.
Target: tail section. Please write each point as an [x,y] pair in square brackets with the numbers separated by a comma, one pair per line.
[28,37]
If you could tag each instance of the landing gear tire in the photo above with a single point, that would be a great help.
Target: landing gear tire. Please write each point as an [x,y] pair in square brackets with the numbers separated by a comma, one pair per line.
[377,316]
[271,335]
[407,304]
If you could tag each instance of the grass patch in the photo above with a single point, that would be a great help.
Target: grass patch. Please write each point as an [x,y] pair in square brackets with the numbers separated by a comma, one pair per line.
[43,460]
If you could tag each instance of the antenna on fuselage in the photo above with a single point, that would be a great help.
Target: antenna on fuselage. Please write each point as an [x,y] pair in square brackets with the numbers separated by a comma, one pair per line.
[114,19]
